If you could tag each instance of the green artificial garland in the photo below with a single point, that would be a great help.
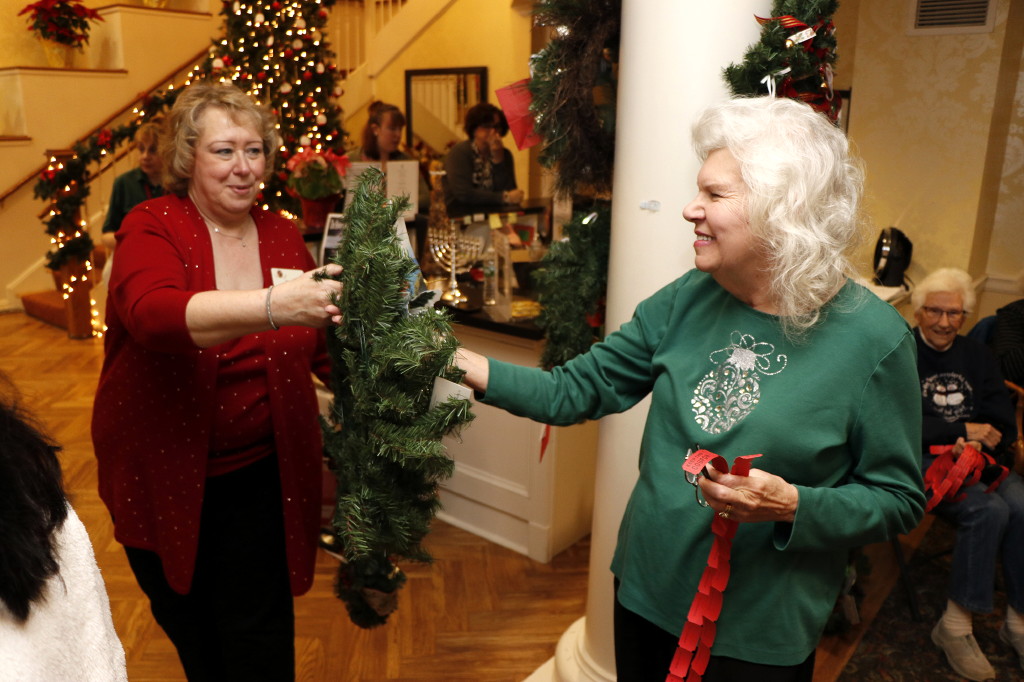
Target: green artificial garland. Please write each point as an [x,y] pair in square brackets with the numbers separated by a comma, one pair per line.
[573,92]
[572,280]
[573,102]
[67,185]
[794,57]
[383,438]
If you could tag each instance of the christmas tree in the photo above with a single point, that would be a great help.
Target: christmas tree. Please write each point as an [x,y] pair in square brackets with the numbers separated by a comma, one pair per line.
[277,52]
[794,57]
[384,434]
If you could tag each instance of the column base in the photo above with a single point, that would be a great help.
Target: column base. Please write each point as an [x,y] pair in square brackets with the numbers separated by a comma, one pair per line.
[571,662]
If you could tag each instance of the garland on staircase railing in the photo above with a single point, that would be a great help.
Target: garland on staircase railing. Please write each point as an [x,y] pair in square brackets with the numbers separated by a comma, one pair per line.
[65,182]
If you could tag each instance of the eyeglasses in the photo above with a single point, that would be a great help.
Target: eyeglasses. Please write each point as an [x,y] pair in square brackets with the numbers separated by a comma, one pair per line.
[937,313]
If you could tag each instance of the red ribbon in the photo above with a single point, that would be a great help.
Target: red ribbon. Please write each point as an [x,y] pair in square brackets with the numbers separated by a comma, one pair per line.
[694,650]
[946,476]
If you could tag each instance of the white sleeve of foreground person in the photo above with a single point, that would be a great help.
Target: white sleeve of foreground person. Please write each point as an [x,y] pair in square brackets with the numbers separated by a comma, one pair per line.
[69,635]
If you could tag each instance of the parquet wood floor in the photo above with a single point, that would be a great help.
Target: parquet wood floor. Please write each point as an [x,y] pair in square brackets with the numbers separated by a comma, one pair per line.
[480,612]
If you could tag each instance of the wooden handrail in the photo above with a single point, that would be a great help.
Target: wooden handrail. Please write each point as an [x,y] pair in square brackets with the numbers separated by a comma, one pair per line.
[120,112]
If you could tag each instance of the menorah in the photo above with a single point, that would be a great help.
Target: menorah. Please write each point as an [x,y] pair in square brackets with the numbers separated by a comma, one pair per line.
[454,252]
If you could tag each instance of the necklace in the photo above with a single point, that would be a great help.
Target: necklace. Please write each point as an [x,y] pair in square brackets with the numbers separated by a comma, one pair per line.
[231,236]
[216,229]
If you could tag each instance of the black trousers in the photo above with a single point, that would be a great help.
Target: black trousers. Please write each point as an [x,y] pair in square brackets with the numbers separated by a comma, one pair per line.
[643,653]
[237,622]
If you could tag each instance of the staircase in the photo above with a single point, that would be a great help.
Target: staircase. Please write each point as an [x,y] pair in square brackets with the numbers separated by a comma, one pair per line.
[129,54]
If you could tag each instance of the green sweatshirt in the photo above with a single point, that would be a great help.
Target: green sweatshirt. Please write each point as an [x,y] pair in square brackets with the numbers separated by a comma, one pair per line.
[838,415]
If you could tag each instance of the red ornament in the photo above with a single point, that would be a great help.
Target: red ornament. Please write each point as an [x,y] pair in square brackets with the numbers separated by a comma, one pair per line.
[104,138]
[306,75]
[288,52]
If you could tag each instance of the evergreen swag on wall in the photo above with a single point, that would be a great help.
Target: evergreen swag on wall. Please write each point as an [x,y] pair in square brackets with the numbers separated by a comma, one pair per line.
[573,89]
[383,438]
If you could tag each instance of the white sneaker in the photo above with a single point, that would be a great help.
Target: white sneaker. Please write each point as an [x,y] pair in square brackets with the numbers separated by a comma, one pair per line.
[964,654]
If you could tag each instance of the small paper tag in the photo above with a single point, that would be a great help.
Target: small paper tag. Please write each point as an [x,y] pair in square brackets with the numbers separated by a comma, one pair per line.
[495,221]
[801,36]
[444,389]
[282,275]
[696,462]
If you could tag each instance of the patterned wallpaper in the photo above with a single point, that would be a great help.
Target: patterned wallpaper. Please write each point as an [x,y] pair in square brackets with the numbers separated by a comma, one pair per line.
[921,120]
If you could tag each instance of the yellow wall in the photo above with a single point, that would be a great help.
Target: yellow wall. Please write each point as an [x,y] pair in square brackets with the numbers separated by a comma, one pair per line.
[925,120]
[469,33]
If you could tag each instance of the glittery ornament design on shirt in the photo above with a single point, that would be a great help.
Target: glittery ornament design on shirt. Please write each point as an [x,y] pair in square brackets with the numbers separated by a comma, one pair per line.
[730,391]
[951,395]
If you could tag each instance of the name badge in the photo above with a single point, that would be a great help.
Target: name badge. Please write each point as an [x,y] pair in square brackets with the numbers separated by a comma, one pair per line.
[282,275]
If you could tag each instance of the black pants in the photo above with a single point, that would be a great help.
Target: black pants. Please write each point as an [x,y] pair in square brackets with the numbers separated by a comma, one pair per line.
[237,622]
[643,653]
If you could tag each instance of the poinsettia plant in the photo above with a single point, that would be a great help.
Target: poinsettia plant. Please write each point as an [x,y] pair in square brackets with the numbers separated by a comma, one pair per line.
[317,174]
[62,21]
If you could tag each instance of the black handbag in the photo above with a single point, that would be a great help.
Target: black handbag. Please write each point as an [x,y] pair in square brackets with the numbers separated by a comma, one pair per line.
[892,257]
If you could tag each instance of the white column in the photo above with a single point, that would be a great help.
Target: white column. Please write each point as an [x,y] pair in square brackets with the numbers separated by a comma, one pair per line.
[671,58]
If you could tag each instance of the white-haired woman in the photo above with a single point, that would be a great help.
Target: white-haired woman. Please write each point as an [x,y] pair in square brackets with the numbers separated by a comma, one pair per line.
[963,399]
[766,347]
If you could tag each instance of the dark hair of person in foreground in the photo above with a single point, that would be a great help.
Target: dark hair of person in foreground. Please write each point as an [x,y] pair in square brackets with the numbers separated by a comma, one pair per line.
[32,505]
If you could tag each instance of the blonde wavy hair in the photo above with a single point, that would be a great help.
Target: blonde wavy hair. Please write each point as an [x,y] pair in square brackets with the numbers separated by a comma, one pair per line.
[803,196]
[182,129]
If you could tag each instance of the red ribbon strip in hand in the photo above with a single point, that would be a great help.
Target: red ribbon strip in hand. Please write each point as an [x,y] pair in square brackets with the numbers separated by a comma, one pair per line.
[694,650]
[946,476]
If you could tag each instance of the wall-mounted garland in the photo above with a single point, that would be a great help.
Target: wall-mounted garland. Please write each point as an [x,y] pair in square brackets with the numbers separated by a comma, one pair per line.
[573,89]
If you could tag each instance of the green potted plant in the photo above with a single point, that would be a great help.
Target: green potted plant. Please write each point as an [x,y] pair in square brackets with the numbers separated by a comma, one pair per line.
[61,26]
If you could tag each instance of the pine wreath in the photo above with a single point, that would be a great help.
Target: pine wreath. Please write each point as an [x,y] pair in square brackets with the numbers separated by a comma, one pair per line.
[382,438]
[794,58]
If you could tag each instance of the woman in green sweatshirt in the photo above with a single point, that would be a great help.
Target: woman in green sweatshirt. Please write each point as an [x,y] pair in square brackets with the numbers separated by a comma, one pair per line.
[766,347]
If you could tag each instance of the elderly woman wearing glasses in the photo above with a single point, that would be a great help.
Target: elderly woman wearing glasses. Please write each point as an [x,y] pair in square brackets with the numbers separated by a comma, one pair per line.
[964,399]
[759,349]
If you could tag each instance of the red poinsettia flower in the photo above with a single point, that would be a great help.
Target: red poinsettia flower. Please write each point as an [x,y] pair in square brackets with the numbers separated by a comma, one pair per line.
[315,175]
[62,21]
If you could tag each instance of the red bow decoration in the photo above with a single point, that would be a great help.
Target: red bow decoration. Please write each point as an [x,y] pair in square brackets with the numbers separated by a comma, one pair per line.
[694,650]
[946,476]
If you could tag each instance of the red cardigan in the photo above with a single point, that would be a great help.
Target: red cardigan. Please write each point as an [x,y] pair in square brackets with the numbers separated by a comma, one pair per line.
[156,396]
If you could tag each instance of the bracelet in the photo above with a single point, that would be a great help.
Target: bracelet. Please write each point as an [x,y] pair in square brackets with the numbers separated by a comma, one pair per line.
[270,315]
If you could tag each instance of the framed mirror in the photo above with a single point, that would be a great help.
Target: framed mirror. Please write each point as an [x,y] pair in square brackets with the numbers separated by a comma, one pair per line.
[436,101]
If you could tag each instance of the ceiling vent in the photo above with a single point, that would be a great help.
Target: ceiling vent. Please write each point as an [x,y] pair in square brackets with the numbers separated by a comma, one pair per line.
[944,17]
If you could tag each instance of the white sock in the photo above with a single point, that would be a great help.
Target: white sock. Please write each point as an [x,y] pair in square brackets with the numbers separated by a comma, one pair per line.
[957,620]
[1014,621]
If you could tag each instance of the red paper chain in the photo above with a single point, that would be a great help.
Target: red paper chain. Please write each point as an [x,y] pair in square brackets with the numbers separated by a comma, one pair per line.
[946,476]
[694,650]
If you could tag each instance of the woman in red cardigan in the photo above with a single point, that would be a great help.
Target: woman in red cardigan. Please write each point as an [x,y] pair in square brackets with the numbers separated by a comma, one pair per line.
[205,421]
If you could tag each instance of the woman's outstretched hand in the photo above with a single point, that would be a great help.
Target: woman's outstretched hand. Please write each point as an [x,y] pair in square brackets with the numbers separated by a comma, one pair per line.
[309,299]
